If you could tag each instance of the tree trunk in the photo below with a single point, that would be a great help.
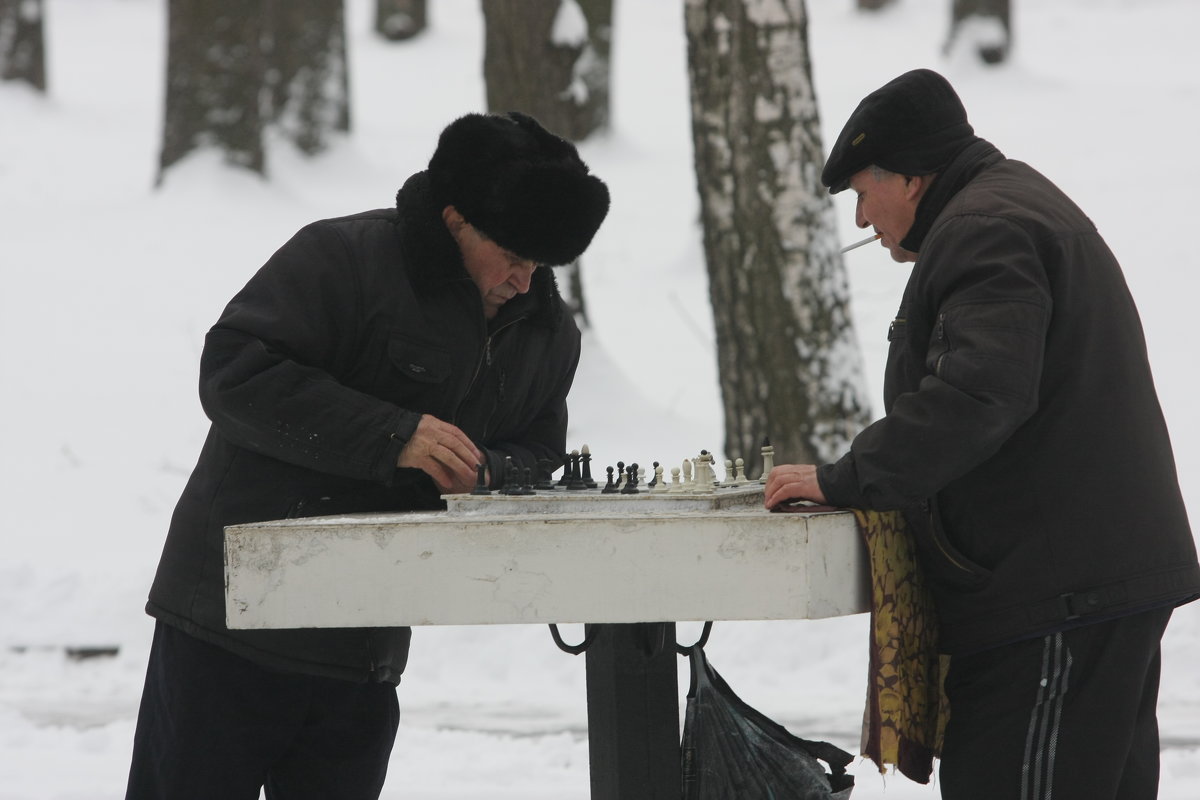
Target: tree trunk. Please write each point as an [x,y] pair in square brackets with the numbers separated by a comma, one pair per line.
[550,59]
[215,74]
[22,42]
[397,20]
[235,67]
[874,5]
[310,85]
[989,23]
[789,363]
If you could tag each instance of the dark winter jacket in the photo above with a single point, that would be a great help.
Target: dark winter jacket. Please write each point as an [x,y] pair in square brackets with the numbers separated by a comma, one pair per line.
[315,377]
[1023,436]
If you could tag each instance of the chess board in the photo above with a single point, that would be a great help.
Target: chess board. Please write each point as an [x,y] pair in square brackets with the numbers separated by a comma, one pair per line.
[594,502]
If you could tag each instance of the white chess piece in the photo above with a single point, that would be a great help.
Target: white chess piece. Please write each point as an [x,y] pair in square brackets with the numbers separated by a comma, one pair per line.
[676,486]
[659,484]
[768,455]
[687,472]
[739,472]
[730,475]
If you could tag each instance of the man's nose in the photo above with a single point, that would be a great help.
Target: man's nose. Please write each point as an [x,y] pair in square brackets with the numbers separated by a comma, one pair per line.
[859,219]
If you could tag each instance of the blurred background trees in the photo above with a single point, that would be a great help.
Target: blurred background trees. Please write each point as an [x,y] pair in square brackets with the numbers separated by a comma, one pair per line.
[22,42]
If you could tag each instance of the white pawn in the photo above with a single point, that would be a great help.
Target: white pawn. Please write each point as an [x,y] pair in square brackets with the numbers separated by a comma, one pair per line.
[730,475]
[676,486]
[768,455]
[659,484]
[687,472]
[739,472]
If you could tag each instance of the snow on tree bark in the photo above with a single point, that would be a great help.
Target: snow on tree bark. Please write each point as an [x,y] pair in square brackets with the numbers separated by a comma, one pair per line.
[398,20]
[789,363]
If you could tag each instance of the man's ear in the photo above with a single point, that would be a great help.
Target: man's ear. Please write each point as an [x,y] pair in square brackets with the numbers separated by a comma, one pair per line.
[916,185]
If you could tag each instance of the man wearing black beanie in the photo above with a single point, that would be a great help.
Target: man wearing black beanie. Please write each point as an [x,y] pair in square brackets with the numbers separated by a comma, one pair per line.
[1024,443]
[372,364]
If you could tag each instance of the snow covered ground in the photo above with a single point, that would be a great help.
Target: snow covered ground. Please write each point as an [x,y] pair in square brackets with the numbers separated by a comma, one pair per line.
[109,286]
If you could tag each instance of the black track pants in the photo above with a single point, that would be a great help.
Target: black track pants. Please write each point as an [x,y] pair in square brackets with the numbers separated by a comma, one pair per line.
[214,725]
[1069,716]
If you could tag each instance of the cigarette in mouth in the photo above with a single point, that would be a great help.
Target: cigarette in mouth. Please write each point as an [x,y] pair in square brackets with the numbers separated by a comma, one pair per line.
[868,240]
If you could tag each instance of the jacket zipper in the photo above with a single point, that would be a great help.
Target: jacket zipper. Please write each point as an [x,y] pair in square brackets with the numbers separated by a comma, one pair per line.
[940,335]
[484,358]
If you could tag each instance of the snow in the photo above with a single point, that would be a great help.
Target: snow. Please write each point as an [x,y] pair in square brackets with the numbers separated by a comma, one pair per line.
[110,284]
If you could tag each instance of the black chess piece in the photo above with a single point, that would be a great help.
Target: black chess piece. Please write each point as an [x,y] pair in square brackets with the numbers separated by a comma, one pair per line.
[610,487]
[653,481]
[631,481]
[588,483]
[512,479]
[527,484]
[576,483]
[566,476]
[481,480]
[620,474]
[546,469]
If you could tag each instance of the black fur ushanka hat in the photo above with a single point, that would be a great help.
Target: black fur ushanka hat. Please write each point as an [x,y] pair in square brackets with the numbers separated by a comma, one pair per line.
[520,185]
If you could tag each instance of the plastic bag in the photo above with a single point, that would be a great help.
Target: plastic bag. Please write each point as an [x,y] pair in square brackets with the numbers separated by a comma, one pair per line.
[732,752]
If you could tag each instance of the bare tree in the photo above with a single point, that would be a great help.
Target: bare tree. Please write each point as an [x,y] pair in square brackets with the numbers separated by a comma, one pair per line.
[235,67]
[550,59]
[986,23]
[397,20]
[22,42]
[788,359]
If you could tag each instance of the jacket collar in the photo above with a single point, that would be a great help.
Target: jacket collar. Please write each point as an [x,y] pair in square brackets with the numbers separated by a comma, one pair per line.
[972,160]
[434,263]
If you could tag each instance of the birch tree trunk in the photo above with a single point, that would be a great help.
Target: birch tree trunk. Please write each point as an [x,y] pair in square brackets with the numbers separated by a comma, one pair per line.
[985,25]
[789,363]
[22,42]
[309,79]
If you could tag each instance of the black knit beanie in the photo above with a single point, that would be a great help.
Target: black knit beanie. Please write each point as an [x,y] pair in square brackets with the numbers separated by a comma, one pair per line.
[913,125]
[520,185]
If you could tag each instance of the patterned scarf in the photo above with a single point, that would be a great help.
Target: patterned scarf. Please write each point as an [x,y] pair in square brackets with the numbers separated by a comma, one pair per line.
[906,710]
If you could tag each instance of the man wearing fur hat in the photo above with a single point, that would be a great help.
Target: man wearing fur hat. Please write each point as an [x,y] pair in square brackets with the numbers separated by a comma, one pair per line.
[1024,443]
[370,365]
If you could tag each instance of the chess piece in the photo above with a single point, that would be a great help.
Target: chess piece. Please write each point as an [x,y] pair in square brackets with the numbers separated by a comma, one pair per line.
[687,473]
[481,480]
[620,474]
[586,455]
[730,475]
[511,484]
[576,483]
[739,471]
[676,486]
[631,480]
[768,456]
[566,476]
[657,484]
[610,487]
[527,484]
[545,474]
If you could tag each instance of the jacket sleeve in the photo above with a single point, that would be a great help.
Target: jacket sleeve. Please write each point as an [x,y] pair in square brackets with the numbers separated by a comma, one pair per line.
[988,290]
[269,373]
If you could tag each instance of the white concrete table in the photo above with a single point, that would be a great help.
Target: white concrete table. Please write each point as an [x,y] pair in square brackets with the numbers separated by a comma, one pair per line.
[617,561]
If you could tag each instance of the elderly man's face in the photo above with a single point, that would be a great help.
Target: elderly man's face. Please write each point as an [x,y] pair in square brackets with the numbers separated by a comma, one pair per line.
[499,274]
[888,202]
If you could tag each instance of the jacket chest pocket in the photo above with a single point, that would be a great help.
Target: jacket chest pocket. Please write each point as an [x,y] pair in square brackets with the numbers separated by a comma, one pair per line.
[421,377]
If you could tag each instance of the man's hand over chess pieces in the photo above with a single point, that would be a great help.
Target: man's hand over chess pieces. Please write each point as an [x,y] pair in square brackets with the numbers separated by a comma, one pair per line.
[443,452]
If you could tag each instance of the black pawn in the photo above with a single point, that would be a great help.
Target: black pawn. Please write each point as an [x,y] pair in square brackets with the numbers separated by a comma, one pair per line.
[481,480]
[566,476]
[610,487]
[576,478]
[545,475]
[654,472]
[631,480]
[586,458]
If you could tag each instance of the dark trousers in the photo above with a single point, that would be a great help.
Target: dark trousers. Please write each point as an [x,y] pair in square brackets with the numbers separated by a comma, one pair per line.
[214,725]
[1069,716]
